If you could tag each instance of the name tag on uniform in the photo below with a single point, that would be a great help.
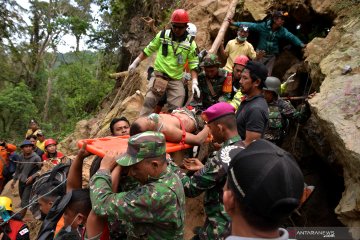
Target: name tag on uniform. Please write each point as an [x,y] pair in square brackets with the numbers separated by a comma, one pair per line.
[180,59]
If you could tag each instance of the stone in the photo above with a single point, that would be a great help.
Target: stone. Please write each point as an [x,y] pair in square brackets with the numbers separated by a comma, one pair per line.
[257,8]
[337,109]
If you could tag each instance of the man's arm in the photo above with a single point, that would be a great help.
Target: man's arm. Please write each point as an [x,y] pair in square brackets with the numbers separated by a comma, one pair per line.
[74,179]
[152,47]
[131,206]
[174,134]
[256,121]
[251,53]
[250,137]
[292,38]
[204,179]
[224,53]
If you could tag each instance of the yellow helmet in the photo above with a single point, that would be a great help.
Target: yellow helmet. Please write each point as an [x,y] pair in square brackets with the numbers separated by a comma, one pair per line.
[6,202]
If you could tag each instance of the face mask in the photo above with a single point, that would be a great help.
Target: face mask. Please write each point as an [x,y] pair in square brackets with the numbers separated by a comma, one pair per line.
[69,228]
[241,39]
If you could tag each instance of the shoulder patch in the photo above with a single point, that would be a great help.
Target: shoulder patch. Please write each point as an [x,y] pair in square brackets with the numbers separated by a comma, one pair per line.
[224,153]
[24,231]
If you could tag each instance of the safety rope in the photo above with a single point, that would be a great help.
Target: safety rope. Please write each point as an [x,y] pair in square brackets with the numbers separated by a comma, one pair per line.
[301,109]
[26,162]
[34,201]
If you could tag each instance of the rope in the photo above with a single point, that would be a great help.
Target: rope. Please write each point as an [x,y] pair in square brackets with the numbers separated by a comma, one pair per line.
[33,202]
[26,162]
[301,109]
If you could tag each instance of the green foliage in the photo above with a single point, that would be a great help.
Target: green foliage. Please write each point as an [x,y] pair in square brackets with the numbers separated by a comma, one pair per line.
[16,108]
[77,91]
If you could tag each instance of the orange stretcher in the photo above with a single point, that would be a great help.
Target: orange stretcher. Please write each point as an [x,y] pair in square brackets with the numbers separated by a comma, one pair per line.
[99,146]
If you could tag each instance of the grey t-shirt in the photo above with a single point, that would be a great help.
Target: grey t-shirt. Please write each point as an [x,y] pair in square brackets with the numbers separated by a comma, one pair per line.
[252,115]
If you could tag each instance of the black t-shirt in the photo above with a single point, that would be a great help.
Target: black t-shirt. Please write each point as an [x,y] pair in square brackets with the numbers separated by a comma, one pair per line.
[252,115]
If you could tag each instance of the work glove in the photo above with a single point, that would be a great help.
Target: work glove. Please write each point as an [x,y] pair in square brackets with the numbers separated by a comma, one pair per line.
[134,65]
[195,87]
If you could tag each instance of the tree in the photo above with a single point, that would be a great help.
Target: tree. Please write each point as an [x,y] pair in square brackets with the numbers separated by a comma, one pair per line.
[16,108]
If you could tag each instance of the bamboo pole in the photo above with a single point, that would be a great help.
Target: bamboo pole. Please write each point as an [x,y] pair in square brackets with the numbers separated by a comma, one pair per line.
[119,74]
[220,36]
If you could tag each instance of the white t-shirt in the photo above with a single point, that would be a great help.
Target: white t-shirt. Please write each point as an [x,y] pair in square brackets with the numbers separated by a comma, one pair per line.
[284,235]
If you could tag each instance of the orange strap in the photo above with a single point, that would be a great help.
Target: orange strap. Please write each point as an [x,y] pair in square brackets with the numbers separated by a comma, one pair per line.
[183,135]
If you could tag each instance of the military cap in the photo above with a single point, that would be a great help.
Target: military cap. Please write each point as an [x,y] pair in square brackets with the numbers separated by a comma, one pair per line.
[143,145]
[210,60]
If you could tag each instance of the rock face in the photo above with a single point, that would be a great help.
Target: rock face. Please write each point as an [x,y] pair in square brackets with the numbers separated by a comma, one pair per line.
[337,107]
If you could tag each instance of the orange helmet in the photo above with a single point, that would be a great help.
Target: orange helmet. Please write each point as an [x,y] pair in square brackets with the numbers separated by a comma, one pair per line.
[49,142]
[180,16]
[241,60]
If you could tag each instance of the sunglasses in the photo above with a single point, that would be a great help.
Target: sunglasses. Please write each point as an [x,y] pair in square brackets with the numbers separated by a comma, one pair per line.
[178,27]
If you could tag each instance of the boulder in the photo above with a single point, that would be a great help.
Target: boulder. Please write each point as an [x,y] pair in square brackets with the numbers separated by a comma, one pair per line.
[336,107]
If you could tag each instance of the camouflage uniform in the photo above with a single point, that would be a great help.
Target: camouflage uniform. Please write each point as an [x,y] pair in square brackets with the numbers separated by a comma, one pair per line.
[206,98]
[154,210]
[211,179]
[279,113]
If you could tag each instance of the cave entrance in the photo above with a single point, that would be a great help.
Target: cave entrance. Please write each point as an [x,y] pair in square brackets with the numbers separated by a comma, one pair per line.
[303,22]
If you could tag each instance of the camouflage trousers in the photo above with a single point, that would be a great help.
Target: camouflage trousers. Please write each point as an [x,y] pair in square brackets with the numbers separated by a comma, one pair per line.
[214,229]
[175,92]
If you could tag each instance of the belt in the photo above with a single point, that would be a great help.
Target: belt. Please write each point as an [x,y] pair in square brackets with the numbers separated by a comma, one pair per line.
[163,76]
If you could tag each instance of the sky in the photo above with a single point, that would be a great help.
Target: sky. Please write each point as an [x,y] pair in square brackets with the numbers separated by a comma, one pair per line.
[68,42]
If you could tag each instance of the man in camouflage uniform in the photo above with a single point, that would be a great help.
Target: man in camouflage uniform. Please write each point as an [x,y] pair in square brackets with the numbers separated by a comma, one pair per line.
[211,81]
[280,111]
[155,209]
[211,177]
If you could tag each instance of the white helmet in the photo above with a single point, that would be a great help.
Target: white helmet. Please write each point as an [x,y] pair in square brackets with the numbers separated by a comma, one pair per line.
[191,29]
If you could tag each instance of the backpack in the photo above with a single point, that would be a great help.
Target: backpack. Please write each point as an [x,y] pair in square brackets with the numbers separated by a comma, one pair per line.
[52,178]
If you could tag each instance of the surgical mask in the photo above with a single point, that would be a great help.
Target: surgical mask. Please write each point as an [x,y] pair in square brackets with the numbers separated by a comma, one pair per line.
[241,39]
[69,228]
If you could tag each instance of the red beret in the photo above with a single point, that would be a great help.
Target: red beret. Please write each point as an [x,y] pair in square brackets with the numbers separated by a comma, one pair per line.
[217,111]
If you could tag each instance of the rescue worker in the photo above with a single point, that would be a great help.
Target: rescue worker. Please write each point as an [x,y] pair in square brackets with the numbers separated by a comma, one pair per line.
[236,95]
[153,210]
[211,178]
[252,116]
[191,30]
[33,140]
[33,128]
[236,47]
[40,140]
[174,47]
[27,170]
[211,82]
[14,228]
[280,111]
[51,154]
[7,166]
[270,33]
